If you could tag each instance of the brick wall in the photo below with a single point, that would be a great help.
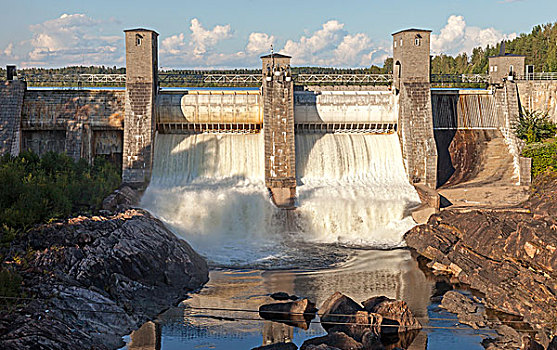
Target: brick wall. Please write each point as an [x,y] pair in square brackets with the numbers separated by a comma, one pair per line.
[11,102]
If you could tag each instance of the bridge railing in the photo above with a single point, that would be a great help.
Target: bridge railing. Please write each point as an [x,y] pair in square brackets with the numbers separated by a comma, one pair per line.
[227,79]
[74,79]
[538,76]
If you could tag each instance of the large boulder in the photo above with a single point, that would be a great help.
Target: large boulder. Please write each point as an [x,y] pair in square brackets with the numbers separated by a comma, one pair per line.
[396,314]
[338,308]
[297,313]
[94,279]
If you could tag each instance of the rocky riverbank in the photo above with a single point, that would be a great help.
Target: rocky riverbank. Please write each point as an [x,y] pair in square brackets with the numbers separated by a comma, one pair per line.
[507,254]
[90,280]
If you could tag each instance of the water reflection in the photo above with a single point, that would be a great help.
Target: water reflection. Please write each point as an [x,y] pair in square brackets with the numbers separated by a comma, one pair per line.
[195,324]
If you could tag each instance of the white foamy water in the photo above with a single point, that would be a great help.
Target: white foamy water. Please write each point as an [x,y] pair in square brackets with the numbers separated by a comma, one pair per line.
[353,189]
[210,190]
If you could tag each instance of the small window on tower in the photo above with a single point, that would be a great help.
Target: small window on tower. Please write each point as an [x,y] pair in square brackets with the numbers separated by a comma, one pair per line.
[395,43]
[400,42]
[418,40]
[138,39]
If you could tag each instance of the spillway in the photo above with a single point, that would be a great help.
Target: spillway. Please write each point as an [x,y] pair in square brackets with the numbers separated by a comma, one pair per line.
[210,190]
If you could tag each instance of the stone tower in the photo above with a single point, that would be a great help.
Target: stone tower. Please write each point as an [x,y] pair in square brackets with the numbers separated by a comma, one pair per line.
[141,91]
[411,83]
[278,128]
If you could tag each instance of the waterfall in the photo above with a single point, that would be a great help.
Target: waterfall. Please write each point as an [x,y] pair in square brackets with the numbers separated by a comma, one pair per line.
[353,189]
[210,190]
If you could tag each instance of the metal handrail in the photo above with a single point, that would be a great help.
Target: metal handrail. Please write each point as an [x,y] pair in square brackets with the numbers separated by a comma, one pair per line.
[538,76]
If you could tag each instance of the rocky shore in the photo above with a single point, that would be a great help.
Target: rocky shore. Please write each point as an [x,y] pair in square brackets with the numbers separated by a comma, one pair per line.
[507,254]
[90,280]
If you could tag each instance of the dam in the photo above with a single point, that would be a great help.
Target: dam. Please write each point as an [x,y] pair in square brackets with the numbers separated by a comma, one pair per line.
[335,163]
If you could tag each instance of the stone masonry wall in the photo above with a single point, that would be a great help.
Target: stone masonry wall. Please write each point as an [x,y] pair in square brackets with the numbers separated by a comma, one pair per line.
[539,96]
[11,102]
[416,132]
[280,154]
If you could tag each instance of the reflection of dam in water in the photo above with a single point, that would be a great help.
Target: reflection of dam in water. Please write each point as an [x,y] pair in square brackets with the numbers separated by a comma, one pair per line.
[209,188]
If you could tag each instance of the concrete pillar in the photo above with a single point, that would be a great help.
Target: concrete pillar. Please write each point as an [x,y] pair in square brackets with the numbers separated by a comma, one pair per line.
[278,128]
[411,59]
[139,120]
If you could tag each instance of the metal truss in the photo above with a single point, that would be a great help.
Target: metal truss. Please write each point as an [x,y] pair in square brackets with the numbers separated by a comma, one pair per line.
[358,79]
[69,79]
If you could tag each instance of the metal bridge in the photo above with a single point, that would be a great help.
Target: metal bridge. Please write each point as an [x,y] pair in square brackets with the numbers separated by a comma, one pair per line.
[255,79]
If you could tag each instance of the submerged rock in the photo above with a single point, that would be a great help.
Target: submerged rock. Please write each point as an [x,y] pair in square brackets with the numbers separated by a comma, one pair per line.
[283,296]
[94,279]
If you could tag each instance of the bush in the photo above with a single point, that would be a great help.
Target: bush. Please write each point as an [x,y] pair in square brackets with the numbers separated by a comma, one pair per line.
[544,156]
[35,190]
[534,126]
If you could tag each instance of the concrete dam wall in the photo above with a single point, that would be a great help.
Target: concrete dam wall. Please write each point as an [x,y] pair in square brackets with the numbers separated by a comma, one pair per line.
[82,123]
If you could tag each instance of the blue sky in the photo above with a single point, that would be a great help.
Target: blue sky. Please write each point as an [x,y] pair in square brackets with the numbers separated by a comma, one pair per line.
[223,34]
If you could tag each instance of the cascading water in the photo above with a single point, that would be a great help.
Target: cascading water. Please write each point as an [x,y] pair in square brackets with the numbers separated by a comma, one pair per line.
[210,190]
[353,189]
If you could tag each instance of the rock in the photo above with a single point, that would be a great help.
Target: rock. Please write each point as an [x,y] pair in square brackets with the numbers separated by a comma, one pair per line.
[553,344]
[507,339]
[277,346]
[422,213]
[295,313]
[509,255]
[283,296]
[338,304]
[122,198]
[359,324]
[396,314]
[114,273]
[466,310]
[337,340]
[321,347]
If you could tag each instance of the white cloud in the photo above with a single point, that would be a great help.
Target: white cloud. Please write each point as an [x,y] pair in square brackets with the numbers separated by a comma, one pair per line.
[203,39]
[71,39]
[259,43]
[457,37]
[332,45]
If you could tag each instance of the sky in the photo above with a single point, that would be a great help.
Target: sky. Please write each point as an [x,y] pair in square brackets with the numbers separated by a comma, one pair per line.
[233,34]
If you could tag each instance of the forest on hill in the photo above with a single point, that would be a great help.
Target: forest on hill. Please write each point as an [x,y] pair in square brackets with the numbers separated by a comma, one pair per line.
[539,47]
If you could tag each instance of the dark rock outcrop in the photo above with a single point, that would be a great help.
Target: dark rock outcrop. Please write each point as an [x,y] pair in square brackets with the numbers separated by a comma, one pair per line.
[510,255]
[122,198]
[92,280]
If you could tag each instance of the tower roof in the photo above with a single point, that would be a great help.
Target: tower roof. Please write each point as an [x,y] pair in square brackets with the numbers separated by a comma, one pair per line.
[140,30]
[275,55]
[412,30]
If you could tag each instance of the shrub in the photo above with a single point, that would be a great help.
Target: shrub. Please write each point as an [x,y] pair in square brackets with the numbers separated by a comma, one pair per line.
[34,190]
[534,126]
[544,156]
